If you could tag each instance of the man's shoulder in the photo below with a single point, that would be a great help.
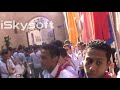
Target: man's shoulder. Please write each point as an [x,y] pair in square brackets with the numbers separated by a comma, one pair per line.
[32,54]
[67,74]
[1,63]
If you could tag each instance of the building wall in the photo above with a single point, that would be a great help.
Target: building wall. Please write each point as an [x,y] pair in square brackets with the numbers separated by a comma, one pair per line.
[26,17]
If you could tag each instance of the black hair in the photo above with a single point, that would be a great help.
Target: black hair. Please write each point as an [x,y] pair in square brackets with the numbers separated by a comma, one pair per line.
[52,49]
[113,50]
[4,52]
[80,43]
[101,45]
[67,42]
[116,69]
[58,43]
[84,45]
[63,52]
[20,47]
[35,47]
[10,49]
[67,45]
[27,49]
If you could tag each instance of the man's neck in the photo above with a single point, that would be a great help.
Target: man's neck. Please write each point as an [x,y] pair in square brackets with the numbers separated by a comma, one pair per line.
[50,69]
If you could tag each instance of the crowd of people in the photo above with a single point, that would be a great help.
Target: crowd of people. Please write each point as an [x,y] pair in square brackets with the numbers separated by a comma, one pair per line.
[58,59]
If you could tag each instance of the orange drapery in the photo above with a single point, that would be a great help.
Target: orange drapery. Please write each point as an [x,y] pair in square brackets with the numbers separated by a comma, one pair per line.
[72,18]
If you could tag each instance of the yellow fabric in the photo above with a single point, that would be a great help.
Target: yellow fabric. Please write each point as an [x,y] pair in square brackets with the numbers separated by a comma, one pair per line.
[72,27]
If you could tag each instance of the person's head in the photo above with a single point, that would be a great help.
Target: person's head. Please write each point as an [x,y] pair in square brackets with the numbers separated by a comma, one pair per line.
[14,50]
[68,48]
[58,43]
[83,46]
[96,58]
[67,42]
[35,49]
[10,51]
[79,44]
[63,55]
[116,59]
[39,47]
[27,51]
[20,48]
[4,54]
[49,56]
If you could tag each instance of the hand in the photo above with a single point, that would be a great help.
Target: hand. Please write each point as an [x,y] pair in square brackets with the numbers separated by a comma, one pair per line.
[111,71]
[61,61]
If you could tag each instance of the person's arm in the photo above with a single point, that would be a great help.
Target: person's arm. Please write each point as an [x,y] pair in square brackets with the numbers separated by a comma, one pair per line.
[67,74]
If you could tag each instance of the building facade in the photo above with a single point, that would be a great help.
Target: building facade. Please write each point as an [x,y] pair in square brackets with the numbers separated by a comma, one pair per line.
[33,36]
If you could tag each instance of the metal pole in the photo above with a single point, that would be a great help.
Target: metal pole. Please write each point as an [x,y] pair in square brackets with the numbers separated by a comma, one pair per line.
[111,17]
[66,24]
[54,34]
[27,38]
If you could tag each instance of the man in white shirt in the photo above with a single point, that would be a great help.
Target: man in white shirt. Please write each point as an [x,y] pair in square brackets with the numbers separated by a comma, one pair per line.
[7,67]
[50,56]
[20,60]
[66,64]
[11,57]
[81,46]
[36,62]
[72,55]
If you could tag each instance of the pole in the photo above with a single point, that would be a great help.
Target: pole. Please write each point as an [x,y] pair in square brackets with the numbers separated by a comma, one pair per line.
[54,34]
[27,38]
[111,17]
[66,23]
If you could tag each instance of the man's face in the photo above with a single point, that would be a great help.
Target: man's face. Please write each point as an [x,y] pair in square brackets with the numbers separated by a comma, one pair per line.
[68,49]
[5,57]
[95,63]
[10,53]
[79,46]
[47,61]
[62,60]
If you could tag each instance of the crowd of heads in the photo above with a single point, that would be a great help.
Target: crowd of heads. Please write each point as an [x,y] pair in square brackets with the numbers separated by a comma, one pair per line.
[97,54]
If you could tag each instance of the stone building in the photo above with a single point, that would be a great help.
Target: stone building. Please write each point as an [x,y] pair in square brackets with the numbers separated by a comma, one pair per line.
[23,37]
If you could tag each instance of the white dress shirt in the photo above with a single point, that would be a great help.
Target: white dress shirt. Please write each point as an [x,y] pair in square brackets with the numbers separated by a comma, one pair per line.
[118,75]
[36,59]
[68,72]
[5,71]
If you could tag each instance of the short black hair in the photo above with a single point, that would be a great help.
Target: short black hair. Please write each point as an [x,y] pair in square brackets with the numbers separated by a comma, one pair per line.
[67,45]
[58,43]
[26,49]
[63,52]
[101,45]
[80,43]
[4,52]
[67,42]
[10,49]
[35,47]
[113,50]
[53,50]
[20,47]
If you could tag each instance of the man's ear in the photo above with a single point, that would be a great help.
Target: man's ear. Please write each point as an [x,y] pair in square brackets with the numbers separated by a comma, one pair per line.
[56,59]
